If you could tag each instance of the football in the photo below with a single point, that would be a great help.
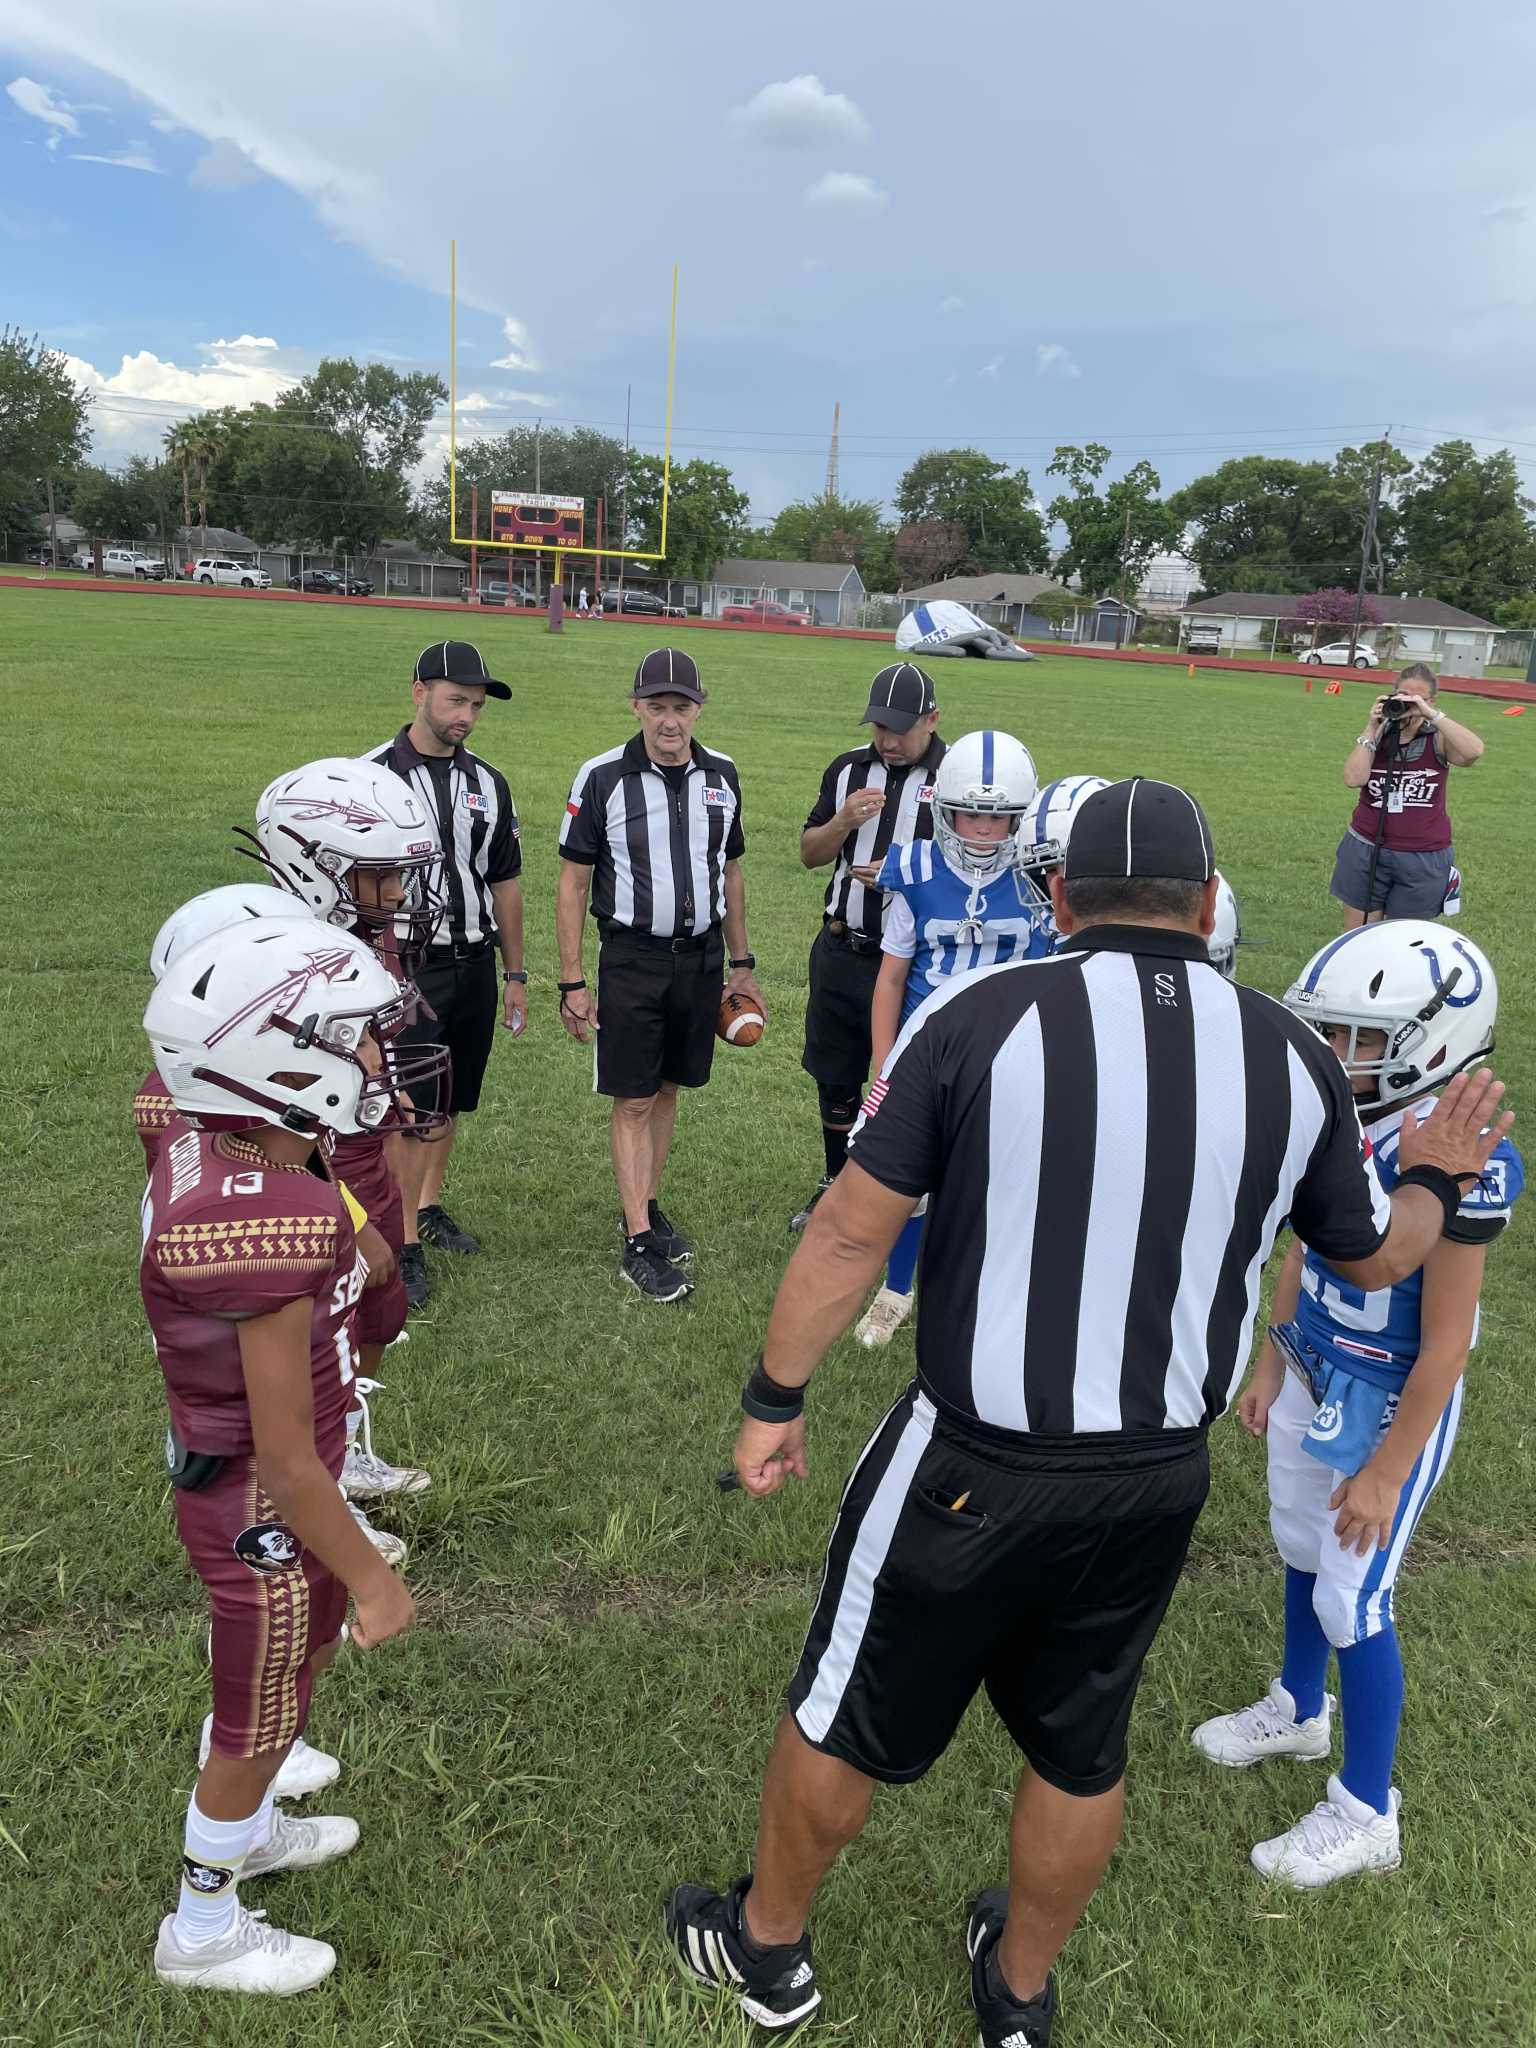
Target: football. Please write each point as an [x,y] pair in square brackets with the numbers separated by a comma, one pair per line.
[741,1021]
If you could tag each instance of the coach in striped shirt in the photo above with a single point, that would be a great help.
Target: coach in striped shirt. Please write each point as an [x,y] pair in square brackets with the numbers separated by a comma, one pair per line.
[871,799]
[652,834]
[483,915]
[1111,1138]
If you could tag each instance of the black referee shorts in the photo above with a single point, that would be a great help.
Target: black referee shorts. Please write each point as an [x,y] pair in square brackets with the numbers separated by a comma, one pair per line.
[964,1557]
[464,996]
[838,1048]
[656,1012]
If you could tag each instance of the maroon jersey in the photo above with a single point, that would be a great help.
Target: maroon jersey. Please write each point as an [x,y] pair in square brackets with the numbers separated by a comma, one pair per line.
[227,1238]
[359,1161]
[152,1113]
[1417,818]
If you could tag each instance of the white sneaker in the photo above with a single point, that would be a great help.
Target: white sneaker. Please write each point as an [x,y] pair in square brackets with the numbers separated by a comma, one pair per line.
[883,1318]
[403,1338]
[251,1957]
[301,1844]
[1340,1837]
[367,1477]
[390,1548]
[305,1770]
[1268,1728]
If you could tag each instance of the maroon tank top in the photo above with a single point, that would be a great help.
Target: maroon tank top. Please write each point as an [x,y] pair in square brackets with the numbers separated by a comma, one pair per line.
[1417,818]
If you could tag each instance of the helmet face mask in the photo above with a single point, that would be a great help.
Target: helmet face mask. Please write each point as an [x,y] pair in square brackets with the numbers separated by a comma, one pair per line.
[1228,933]
[1048,824]
[987,774]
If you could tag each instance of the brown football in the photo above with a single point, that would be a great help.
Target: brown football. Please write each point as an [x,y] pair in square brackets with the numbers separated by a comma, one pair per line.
[741,1021]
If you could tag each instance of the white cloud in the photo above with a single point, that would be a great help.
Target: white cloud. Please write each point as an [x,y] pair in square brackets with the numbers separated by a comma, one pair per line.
[993,368]
[44,104]
[799,113]
[953,304]
[1052,359]
[519,355]
[499,401]
[226,168]
[147,393]
[164,125]
[241,341]
[813,263]
[847,192]
[125,160]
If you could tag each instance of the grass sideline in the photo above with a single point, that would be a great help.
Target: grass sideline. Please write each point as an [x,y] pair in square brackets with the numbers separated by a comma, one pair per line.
[580,1719]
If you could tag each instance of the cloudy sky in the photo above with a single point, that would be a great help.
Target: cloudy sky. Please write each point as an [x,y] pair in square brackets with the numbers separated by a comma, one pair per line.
[1190,232]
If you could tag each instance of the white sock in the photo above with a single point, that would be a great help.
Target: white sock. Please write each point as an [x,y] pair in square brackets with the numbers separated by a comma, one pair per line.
[354,1424]
[261,1832]
[214,1851]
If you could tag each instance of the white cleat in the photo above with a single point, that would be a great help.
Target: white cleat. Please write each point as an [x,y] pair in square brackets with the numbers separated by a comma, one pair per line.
[367,1477]
[390,1548]
[251,1957]
[301,1844]
[1340,1837]
[1268,1728]
[305,1770]
[883,1318]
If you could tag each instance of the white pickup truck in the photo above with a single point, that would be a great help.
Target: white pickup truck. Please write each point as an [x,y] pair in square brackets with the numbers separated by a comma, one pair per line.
[129,562]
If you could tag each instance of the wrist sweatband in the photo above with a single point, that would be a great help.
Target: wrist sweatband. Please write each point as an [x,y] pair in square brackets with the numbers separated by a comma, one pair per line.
[569,988]
[1436,1181]
[766,1401]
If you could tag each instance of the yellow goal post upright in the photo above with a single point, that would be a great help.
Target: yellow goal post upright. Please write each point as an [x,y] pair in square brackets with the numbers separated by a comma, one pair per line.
[544,546]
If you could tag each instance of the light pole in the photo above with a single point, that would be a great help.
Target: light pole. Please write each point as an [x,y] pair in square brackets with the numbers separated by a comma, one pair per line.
[53,518]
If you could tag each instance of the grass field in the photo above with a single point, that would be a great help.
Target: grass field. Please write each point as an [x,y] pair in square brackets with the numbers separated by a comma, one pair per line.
[604,1639]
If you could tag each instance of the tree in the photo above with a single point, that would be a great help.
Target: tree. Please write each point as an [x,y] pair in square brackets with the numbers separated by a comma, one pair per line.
[381,415]
[827,529]
[992,505]
[927,549]
[1519,613]
[577,462]
[1056,607]
[706,514]
[1335,607]
[44,428]
[1111,535]
[1263,522]
[178,446]
[1466,529]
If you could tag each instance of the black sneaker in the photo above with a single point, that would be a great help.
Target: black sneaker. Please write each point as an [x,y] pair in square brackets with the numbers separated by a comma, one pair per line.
[647,1268]
[674,1245]
[801,1217]
[413,1275]
[703,1929]
[437,1228]
[1003,2021]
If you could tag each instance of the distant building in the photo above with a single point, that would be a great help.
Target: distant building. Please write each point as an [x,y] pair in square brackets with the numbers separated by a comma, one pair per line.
[1168,583]
[830,591]
[1002,600]
[1411,629]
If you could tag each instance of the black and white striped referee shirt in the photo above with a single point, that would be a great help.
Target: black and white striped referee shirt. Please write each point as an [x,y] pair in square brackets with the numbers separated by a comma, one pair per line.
[476,825]
[1112,1137]
[907,815]
[656,839]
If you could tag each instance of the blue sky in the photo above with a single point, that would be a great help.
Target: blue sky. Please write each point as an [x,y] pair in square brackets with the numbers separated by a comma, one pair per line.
[1190,233]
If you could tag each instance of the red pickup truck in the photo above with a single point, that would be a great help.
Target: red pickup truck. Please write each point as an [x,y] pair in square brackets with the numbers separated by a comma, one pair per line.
[764,611]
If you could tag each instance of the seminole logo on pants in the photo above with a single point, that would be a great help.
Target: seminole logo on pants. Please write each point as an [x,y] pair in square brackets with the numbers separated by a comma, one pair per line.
[267,1547]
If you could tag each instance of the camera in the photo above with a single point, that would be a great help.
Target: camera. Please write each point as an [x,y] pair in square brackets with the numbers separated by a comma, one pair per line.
[1396,709]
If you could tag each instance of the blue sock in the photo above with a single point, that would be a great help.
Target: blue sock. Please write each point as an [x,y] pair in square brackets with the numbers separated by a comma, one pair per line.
[901,1267]
[1306,1647]
[1371,1695]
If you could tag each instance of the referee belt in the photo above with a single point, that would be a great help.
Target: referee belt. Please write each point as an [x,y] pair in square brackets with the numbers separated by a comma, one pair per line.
[842,934]
[460,949]
[692,943]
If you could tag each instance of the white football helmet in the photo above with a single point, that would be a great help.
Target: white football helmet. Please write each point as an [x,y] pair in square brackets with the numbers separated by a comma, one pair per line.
[264,1023]
[320,828]
[1048,823]
[215,911]
[1433,994]
[1224,941]
[983,771]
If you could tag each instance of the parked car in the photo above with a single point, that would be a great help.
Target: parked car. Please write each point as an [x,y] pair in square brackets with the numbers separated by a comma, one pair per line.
[1336,655]
[1203,637]
[763,611]
[319,583]
[228,574]
[497,590]
[129,562]
[82,558]
[40,556]
[354,586]
[639,601]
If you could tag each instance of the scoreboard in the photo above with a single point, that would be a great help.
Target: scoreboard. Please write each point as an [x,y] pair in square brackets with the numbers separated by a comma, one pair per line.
[535,519]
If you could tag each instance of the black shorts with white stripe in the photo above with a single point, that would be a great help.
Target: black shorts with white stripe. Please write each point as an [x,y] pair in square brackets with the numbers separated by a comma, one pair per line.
[962,1557]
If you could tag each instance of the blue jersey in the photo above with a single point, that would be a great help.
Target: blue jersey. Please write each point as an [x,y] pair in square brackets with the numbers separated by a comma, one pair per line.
[1376,1335]
[946,922]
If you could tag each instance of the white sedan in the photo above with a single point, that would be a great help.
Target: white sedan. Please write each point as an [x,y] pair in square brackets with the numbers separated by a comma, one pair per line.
[1336,655]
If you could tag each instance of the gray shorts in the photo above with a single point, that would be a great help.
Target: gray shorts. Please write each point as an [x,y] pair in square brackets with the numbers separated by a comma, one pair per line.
[1406,884]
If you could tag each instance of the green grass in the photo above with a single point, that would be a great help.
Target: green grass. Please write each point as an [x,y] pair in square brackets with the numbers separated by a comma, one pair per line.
[604,1639]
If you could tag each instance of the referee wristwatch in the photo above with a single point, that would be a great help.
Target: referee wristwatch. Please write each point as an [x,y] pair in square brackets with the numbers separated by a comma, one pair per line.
[513,974]
[747,960]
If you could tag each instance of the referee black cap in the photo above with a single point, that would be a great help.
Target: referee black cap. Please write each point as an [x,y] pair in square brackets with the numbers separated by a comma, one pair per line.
[456,661]
[668,672]
[1140,829]
[899,696]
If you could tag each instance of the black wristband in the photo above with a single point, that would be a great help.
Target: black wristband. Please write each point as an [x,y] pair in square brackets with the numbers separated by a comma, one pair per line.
[569,988]
[766,1401]
[1436,1181]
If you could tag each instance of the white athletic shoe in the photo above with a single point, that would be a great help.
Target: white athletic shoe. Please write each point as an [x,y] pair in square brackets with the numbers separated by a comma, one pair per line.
[403,1338]
[301,1844]
[305,1770]
[883,1318]
[1340,1837]
[367,1477]
[1268,1728]
[390,1548]
[251,1957]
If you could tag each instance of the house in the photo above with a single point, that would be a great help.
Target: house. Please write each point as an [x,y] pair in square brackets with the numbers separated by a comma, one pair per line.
[830,591]
[1109,623]
[193,541]
[400,568]
[1411,629]
[1001,600]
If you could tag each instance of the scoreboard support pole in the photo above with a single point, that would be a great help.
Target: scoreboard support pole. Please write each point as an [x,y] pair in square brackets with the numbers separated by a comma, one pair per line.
[556,600]
[474,552]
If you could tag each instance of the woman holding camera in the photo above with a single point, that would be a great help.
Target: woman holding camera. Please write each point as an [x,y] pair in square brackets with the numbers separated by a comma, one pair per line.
[1396,859]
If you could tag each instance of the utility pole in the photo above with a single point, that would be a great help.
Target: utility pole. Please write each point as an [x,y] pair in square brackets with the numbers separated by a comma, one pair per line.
[837,413]
[1367,542]
[1123,628]
[53,519]
[629,392]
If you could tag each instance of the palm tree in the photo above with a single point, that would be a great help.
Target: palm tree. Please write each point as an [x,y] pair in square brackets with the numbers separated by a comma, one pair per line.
[205,447]
[178,446]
